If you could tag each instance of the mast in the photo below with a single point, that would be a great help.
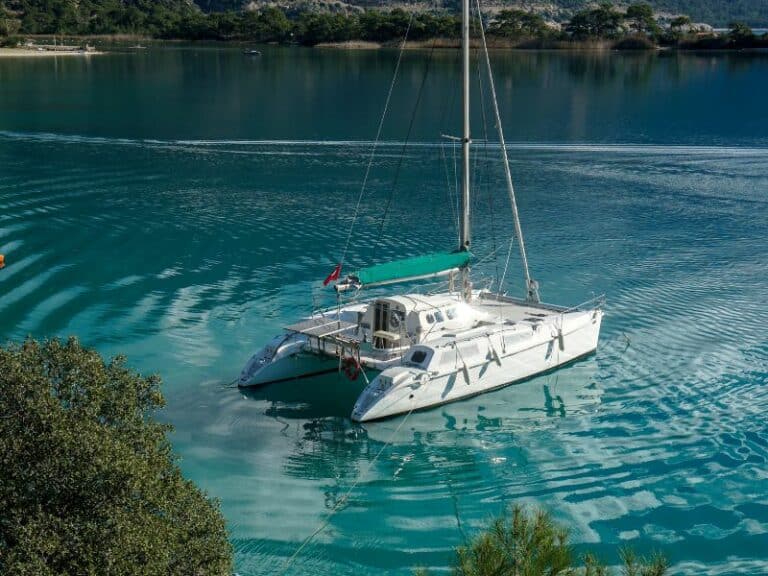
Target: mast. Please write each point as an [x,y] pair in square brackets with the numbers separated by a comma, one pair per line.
[466,232]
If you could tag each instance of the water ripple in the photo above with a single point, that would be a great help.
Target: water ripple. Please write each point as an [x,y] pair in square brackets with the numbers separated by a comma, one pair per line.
[187,255]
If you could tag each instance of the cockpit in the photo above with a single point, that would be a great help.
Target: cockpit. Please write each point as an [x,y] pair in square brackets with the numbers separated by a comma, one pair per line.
[401,321]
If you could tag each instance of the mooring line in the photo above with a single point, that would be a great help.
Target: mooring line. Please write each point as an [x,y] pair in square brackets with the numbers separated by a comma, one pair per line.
[344,498]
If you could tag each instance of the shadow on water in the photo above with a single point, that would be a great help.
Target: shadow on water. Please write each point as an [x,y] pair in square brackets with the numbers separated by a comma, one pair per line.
[324,403]
[312,416]
[325,396]
[332,395]
[534,403]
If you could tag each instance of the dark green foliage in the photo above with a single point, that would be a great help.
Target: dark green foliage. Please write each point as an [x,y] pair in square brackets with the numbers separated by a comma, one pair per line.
[601,22]
[182,20]
[633,565]
[267,25]
[315,27]
[641,20]
[518,24]
[680,21]
[532,544]
[99,16]
[375,26]
[740,32]
[634,42]
[739,37]
[88,482]
[715,12]
[523,544]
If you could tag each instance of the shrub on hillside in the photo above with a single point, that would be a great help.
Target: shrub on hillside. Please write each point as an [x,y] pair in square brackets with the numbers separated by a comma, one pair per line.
[88,481]
[522,543]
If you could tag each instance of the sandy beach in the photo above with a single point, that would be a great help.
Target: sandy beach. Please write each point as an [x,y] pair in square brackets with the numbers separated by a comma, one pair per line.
[34,53]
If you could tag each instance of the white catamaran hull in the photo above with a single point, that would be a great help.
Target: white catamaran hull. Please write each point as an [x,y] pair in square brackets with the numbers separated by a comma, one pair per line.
[404,389]
[284,358]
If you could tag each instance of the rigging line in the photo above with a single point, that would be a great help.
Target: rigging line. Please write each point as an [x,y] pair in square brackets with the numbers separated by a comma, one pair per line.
[456,181]
[486,163]
[506,264]
[532,290]
[449,190]
[476,173]
[452,192]
[345,497]
[487,256]
[402,151]
[376,141]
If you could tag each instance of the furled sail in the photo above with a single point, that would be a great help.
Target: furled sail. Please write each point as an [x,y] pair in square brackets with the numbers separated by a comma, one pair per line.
[418,267]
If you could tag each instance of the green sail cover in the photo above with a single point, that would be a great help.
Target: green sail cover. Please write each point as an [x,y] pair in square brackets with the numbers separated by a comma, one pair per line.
[412,267]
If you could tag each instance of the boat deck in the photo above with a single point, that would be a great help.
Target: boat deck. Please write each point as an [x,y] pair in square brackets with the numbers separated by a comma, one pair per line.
[514,312]
[331,335]
[321,327]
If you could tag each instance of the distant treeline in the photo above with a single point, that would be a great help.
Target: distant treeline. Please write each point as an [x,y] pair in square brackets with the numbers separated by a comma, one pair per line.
[633,27]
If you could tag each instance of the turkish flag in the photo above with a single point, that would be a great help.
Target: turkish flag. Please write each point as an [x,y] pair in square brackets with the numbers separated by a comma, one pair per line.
[333,275]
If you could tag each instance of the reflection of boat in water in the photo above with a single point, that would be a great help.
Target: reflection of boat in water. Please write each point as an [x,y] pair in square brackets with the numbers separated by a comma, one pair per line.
[445,446]
[429,350]
[252,52]
[323,396]
[534,404]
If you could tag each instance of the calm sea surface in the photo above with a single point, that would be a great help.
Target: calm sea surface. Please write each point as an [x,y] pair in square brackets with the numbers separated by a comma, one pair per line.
[180,205]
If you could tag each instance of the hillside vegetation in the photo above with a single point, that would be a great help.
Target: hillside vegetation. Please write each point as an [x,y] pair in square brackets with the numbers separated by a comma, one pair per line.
[718,13]
[633,26]
[89,483]
[154,17]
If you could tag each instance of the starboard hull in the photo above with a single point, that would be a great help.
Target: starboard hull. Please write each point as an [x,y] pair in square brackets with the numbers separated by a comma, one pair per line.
[540,357]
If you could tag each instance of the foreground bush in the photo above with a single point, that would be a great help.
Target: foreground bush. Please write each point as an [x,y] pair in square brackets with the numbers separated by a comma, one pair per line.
[88,482]
[532,544]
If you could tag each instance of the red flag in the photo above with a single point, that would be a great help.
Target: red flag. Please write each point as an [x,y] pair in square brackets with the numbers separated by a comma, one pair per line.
[333,275]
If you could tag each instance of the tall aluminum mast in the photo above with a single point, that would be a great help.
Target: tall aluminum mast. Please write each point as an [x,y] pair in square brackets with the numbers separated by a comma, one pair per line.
[466,232]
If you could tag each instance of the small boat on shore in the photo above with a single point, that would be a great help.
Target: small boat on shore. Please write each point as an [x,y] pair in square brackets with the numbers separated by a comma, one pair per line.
[58,48]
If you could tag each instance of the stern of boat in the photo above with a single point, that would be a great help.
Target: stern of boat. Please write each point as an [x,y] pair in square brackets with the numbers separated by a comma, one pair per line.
[390,393]
[286,357]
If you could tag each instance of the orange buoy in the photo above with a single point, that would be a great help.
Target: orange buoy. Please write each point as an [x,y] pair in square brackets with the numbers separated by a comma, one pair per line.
[2,260]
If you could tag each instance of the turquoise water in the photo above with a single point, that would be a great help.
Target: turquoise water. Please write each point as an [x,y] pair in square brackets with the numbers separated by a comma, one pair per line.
[181,205]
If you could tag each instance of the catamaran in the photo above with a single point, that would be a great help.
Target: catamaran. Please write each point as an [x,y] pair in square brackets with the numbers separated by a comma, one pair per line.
[417,351]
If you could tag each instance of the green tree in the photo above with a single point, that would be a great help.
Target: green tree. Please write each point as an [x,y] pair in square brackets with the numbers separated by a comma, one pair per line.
[8,26]
[740,32]
[88,481]
[532,544]
[224,25]
[267,25]
[600,22]
[316,27]
[641,18]
[680,22]
[518,24]
[385,26]
[521,544]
